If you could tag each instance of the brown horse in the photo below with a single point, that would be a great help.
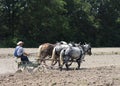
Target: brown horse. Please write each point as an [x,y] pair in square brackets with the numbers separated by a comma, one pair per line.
[44,51]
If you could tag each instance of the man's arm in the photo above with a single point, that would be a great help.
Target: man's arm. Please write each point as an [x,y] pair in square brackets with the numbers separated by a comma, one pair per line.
[27,54]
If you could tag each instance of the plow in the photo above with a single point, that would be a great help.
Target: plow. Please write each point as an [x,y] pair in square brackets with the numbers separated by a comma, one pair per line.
[31,66]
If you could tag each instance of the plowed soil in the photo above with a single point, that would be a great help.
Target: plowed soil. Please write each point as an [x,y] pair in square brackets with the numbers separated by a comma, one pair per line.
[102,68]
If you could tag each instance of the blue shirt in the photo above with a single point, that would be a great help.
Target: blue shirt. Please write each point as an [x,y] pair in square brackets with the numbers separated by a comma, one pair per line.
[18,51]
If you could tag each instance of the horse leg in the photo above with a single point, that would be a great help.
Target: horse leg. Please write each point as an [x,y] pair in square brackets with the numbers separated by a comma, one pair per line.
[71,61]
[66,62]
[44,62]
[67,66]
[79,63]
[42,59]
[55,61]
[39,61]
[82,57]
[61,63]
[58,64]
[52,60]
[62,59]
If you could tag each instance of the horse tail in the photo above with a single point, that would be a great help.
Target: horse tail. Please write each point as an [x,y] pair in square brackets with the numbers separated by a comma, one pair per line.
[62,53]
[53,56]
[39,51]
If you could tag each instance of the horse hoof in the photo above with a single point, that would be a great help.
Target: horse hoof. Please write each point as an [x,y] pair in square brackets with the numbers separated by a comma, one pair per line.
[60,68]
[19,71]
[77,68]
[51,67]
[67,69]
[83,60]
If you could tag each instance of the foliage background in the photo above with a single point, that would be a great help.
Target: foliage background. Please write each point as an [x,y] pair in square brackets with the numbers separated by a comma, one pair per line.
[39,21]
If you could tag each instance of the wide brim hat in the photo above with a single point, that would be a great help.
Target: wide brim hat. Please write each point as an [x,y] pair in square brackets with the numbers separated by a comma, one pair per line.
[20,42]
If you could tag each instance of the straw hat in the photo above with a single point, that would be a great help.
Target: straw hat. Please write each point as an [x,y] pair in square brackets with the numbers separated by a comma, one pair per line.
[20,42]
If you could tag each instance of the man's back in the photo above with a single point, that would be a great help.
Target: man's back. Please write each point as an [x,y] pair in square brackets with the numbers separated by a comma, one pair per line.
[18,51]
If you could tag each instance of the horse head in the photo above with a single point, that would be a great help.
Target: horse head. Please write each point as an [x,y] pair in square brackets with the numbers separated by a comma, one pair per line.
[87,49]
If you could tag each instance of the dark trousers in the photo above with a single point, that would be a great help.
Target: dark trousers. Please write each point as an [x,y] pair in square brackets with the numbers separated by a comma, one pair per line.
[24,58]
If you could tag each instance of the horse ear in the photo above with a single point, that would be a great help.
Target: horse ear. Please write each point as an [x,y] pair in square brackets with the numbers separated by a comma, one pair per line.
[71,42]
[79,43]
[84,43]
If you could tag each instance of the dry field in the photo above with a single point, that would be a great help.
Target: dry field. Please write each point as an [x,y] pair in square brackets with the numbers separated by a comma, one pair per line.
[100,69]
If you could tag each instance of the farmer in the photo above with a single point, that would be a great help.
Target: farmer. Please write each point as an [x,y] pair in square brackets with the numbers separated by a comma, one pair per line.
[19,52]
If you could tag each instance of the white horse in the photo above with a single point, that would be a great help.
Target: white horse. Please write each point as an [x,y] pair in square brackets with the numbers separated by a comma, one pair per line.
[70,54]
[56,52]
